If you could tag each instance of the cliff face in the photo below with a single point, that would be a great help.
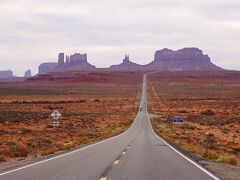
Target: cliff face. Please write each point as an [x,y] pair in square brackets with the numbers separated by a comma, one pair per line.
[191,59]
[126,65]
[6,74]
[45,68]
[73,62]
[186,59]
[76,61]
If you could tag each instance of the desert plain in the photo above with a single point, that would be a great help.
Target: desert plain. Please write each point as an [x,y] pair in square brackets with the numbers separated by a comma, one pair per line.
[101,104]
[94,106]
[209,103]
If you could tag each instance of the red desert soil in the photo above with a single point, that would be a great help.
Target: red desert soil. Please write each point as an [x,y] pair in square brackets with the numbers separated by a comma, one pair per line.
[209,102]
[93,105]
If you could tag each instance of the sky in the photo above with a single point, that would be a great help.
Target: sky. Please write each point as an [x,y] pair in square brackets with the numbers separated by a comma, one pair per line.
[35,31]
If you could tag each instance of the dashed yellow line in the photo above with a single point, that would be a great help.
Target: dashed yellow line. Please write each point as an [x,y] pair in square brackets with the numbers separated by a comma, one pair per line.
[103,178]
[116,162]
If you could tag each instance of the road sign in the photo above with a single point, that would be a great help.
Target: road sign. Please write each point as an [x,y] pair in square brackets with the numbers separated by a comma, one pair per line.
[56,115]
[178,120]
[163,117]
[56,123]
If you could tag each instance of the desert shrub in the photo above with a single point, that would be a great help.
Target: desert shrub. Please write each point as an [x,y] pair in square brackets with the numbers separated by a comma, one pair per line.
[237,149]
[2,132]
[189,148]
[225,130]
[49,126]
[19,151]
[182,136]
[116,130]
[183,111]
[2,158]
[211,155]
[210,138]
[208,112]
[26,131]
[187,126]
[54,107]
[69,145]
[23,151]
[227,159]
[46,142]
[49,151]
[163,128]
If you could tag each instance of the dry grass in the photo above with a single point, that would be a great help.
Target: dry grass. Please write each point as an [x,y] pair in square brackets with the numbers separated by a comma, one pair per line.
[90,112]
[227,160]
[206,104]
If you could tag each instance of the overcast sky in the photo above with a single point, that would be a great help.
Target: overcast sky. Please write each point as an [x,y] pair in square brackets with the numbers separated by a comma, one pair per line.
[35,31]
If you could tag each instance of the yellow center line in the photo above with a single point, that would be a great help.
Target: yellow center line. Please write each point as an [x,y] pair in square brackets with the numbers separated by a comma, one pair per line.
[103,178]
[116,162]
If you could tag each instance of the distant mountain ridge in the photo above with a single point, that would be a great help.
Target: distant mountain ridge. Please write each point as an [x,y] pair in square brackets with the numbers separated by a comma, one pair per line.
[186,59]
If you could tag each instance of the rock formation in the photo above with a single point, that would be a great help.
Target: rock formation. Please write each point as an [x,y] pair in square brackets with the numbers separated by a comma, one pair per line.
[61,59]
[45,68]
[126,65]
[28,73]
[73,62]
[6,74]
[187,59]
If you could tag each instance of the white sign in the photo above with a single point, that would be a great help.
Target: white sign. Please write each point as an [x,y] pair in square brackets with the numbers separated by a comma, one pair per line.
[56,115]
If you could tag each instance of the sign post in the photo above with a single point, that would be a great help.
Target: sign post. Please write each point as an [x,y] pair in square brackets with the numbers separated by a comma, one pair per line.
[56,115]
[209,139]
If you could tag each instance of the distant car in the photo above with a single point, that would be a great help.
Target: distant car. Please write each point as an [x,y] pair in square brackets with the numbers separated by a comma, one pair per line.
[140,109]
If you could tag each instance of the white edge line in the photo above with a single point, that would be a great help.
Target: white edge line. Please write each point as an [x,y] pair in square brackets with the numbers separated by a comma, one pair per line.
[75,151]
[69,153]
[185,157]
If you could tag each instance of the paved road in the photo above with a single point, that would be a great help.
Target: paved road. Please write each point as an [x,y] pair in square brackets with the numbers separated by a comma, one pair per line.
[137,154]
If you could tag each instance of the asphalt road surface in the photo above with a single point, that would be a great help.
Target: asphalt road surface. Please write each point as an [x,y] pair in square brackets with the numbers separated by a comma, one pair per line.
[137,154]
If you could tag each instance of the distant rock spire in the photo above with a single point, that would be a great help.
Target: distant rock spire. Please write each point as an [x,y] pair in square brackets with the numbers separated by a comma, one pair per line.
[28,73]
[126,59]
[67,59]
[61,59]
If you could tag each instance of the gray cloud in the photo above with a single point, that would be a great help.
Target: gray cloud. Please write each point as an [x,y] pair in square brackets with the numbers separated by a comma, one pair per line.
[34,31]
